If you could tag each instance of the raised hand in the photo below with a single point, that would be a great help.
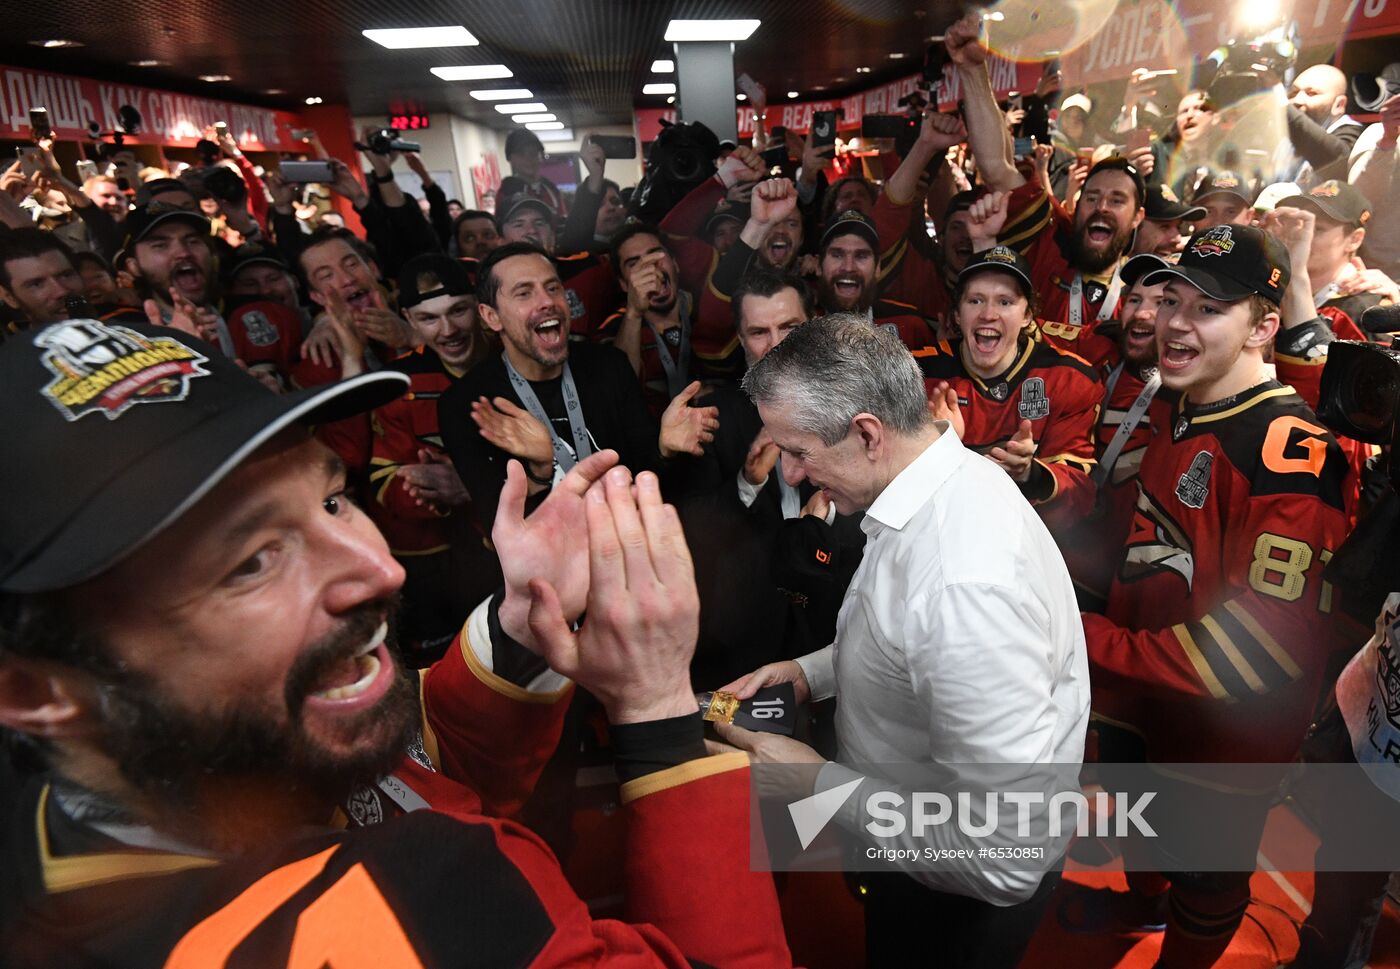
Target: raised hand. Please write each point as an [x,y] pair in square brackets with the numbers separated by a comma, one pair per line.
[283,192]
[633,651]
[743,165]
[349,343]
[197,321]
[594,161]
[986,217]
[940,132]
[1294,227]
[761,459]
[1017,456]
[644,281]
[943,406]
[817,506]
[551,545]
[686,429]
[344,182]
[514,430]
[773,200]
[964,41]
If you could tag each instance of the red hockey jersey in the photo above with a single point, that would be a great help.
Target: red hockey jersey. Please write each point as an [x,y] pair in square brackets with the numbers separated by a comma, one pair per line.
[1219,622]
[1038,227]
[1056,391]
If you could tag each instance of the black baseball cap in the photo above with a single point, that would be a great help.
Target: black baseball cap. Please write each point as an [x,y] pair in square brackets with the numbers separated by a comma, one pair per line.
[1337,200]
[115,430]
[508,205]
[851,222]
[1231,262]
[1163,206]
[431,275]
[738,212]
[251,254]
[1139,266]
[960,202]
[143,220]
[1223,183]
[1001,259]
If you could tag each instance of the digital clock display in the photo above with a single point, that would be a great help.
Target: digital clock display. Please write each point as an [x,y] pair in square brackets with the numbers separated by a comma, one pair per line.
[408,122]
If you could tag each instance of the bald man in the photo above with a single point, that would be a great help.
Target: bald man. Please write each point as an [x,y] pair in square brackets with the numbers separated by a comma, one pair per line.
[1320,132]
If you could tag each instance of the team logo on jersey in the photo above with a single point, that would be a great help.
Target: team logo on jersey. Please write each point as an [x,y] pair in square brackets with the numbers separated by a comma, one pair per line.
[419,754]
[1193,486]
[1388,676]
[106,369]
[576,307]
[1035,404]
[363,807]
[1156,543]
[999,390]
[1179,430]
[261,332]
[1215,241]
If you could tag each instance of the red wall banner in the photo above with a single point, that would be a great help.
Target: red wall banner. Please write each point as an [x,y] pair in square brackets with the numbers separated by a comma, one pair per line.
[168,119]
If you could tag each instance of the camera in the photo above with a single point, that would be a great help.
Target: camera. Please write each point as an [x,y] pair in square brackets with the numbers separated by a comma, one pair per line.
[1370,91]
[385,141]
[1232,73]
[682,156]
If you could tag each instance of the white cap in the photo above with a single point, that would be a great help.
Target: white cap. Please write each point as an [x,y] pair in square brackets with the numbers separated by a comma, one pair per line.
[1273,194]
[1078,100]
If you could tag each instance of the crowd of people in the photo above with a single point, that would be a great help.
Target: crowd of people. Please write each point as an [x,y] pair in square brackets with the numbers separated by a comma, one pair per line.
[357,581]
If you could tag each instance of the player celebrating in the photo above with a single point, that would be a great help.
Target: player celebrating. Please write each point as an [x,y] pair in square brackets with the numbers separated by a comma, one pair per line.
[1025,404]
[1218,627]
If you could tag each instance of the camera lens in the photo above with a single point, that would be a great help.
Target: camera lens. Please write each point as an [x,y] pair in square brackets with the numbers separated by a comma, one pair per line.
[1369,398]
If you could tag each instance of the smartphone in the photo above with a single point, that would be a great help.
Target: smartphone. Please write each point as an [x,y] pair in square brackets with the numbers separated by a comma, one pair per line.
[775,157]
[778,133]
[307,171]
[616,146]
[1023,147]
[1086,155]
[29,162]
[824,128]
[86,169]
[1138,138]
[303,134]
[39,125]
[884,125]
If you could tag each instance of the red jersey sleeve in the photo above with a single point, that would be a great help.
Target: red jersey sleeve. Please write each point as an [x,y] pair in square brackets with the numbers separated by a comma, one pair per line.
[394,444]
[1066,447]
[687,219]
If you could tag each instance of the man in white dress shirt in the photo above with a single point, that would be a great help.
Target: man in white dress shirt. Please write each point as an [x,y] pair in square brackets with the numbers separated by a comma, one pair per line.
[959,641]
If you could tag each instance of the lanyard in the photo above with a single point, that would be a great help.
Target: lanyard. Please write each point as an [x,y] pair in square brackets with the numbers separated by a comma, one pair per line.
[572,409]
[1326,293]
[677,368]
[1106,308]
[1130,421]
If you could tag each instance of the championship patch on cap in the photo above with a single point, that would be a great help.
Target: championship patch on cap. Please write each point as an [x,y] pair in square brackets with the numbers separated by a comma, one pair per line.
[1327,190]
[1168,194]
[1215,241]
[1002,254]
[1226,180]
[107,369]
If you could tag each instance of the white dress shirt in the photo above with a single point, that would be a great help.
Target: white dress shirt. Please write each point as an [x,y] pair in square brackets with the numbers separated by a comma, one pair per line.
[959,641]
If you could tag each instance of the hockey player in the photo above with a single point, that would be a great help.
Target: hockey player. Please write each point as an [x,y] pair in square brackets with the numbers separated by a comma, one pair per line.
[1218,623]
[1028,406]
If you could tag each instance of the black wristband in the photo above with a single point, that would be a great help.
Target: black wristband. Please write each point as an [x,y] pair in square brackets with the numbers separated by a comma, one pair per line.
[381,179]
[549,479]
[655,745]
[510,660]
[1040,485]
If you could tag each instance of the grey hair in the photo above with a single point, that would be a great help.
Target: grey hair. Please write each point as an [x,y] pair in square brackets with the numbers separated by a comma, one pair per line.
[838,366]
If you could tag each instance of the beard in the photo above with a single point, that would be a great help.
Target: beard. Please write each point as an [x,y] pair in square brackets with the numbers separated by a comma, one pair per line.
[170,753]
[1089,259]
[831,302]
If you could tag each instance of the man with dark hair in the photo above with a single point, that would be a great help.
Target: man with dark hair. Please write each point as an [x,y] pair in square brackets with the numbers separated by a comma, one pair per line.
[848,270]
[37,277]
[546,400]
[227,762]
[1218,626]
[1074,258]
[417,498]
[475,233]
[959,574]
[1159,233]
[525,153]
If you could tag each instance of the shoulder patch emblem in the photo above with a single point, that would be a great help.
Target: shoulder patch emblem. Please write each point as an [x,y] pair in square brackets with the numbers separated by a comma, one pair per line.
[576,307]
[261,332]
[105,369]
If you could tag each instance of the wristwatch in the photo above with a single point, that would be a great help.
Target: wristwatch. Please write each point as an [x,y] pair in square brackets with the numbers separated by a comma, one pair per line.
[381,179]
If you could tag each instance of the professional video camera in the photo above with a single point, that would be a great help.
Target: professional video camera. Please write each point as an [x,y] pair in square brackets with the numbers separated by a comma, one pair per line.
[682,156]
[904,128]
[1370,91]
[128,123]
[1235,71]
[387,140]
[1360,399]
